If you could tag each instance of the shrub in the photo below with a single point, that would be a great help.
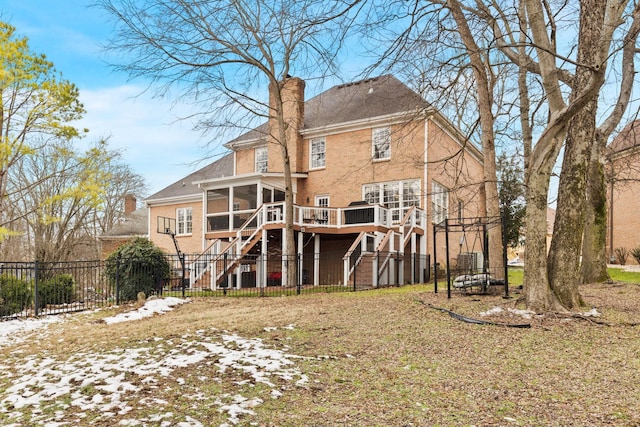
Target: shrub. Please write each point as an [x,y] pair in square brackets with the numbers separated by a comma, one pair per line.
[57,290]
[137,266]
[15,295]
[621,254]
[635,252]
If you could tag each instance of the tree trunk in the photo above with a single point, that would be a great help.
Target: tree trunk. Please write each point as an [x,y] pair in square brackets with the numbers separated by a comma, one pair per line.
[569,226]
[594,257]
[564,260]
[290,253]
[536,289]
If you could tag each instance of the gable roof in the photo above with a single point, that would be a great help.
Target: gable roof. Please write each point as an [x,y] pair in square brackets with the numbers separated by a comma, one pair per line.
[133,224]
[375,97]
[185,187]
[350,102]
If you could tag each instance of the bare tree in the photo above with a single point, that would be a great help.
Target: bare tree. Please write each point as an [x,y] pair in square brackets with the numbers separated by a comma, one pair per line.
[62,197]
[555,286]
[557,93]
[222,53]
[121,181]
[449,53]
[594,257]
[481,65]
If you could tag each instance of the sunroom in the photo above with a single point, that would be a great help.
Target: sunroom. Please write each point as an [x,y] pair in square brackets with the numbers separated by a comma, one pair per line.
[230,201]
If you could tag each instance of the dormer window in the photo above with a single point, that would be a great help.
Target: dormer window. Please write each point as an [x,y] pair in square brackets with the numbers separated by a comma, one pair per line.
[381,143]
[262,157]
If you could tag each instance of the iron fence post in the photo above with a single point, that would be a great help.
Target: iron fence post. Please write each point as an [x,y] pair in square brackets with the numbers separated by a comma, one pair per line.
[503,224]
[377,272]
[118,280]
[36,301]
[225,275]
[184,273]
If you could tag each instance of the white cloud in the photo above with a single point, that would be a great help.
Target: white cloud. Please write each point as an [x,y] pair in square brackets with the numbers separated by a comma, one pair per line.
[148,132]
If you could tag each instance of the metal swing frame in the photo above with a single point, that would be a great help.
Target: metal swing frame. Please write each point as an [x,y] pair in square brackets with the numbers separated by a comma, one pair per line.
[476,225]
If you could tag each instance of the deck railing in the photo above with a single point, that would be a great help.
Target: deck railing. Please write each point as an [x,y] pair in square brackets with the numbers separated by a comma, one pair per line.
[324,217]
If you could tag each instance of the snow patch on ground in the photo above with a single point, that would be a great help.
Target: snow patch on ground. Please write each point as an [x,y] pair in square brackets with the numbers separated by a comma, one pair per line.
[16,331]
[151,307]
[104,384]
[526,314]
[592,313]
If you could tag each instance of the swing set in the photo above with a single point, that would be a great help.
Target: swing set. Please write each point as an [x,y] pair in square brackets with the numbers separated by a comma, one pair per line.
[469,271]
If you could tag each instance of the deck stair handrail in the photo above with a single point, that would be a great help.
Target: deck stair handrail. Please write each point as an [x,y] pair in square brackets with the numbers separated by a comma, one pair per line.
[212,257]
[385,248]
[408,224]
[199,266]
[354,255]
[246,236]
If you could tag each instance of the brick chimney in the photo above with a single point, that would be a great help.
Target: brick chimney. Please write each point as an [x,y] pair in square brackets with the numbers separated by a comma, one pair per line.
[292,93]
[130,203]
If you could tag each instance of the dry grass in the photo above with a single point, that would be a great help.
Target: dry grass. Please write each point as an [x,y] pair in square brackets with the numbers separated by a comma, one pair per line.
[385,358]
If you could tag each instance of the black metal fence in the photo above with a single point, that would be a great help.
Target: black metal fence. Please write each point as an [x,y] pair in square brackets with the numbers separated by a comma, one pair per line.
[36,288]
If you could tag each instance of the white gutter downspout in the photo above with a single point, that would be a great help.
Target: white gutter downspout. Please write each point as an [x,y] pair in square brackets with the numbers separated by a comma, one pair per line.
[424,241]
[204,217]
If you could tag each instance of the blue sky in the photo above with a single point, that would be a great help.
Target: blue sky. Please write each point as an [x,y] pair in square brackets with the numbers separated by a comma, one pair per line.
[145,130]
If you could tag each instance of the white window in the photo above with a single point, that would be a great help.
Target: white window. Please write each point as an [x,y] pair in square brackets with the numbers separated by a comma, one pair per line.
[261,159]
[322,215]
[381,143]
[318,152]
[184,221]
[391,193]
[410,193]
[371,193]
[395,195]
[439,202]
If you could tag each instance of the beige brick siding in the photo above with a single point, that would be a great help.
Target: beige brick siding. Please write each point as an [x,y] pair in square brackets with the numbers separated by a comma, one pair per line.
[245,161]
[188,243]
[624,205]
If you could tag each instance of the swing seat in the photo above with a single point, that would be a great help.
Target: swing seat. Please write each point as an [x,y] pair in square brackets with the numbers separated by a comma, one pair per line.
[471,280]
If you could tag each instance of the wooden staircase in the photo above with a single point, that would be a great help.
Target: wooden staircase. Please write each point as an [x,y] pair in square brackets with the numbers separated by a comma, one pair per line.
[220,258]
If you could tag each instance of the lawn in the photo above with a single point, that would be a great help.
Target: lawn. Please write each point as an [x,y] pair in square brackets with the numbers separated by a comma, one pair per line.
[375,358]
[620,275]
[616,274]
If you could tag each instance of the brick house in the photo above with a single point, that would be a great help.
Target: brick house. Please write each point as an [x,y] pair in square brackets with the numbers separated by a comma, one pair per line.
[134,224]
[374,166]
[623,176]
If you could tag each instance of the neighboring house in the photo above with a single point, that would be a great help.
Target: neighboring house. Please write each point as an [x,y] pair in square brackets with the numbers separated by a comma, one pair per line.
[623,176]
[133,224]
[374,166]
[516,255]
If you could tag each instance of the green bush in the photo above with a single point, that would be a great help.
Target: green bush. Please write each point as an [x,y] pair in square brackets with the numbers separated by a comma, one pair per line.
[137,266]
[57,290]
[15,295]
